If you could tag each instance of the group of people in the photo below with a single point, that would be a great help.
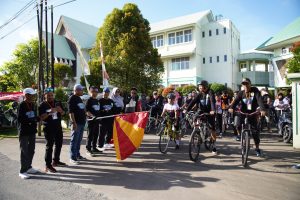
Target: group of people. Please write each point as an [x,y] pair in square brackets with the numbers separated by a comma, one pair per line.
[50,113]
[98,113]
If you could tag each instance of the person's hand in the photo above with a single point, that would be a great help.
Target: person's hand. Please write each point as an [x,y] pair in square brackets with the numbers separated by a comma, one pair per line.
[53,110]
[230,110]
[212,112]
[184,111]
[74,126]
[59,109]
[263,113]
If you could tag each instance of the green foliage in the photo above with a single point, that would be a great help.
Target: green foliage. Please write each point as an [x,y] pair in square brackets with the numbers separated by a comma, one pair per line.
[185,90]
[95,77]
[130,57]
[8,83]
[23,68]
[61,95]
[60,72]
[293,65]
[217,87]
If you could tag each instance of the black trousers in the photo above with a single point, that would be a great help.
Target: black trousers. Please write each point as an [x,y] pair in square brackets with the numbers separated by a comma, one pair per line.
[106,132]
[253,121]
[53,136]
[93,133]
[27,148]
[219,120]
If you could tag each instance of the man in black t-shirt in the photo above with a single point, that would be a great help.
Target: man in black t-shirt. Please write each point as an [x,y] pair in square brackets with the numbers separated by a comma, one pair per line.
[107,107]
[78,120]
[50,112]
[27,128]
[267,103]
[92,111]
[250,99]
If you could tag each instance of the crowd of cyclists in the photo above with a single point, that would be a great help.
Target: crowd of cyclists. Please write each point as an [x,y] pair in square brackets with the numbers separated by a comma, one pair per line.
[223,109]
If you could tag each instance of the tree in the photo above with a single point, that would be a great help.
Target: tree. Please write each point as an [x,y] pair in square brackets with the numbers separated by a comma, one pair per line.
[130,57]
[185,90]
[293,64]
[24,65]
[60,73]
[95,77]
[8,83]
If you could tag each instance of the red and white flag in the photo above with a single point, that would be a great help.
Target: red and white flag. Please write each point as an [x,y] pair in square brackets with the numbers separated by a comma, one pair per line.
[104,73]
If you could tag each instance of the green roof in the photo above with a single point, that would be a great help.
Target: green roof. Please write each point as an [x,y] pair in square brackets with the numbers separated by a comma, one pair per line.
[292,30]
[83,33]
[61,47]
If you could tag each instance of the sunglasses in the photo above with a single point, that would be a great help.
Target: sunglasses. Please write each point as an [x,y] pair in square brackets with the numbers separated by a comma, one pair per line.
[155,94]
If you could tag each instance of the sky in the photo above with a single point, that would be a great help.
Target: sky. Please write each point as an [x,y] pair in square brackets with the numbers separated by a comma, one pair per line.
[257,20]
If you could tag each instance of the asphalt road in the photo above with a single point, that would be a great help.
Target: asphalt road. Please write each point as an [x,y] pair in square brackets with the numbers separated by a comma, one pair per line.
[149,175]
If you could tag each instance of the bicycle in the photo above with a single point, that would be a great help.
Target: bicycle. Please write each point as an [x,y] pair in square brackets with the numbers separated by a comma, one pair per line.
[200,135]
[153,123]
[245,136]
[187,122]
[167,134]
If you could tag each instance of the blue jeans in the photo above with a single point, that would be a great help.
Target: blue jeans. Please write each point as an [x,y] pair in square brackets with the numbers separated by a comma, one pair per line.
[76,137]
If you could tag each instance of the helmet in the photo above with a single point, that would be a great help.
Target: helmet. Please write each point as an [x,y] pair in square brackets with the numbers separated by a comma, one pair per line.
[204,83]
[171,96]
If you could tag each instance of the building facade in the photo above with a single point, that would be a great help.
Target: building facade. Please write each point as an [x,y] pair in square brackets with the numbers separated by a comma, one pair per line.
[196,47]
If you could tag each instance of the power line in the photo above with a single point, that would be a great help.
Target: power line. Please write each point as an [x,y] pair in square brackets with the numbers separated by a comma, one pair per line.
[17,14]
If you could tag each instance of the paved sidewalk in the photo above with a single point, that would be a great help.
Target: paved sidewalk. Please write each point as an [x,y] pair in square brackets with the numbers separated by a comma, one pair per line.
[149,175]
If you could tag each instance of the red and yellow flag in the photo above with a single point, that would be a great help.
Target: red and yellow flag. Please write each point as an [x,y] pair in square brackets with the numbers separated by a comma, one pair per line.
[128,133]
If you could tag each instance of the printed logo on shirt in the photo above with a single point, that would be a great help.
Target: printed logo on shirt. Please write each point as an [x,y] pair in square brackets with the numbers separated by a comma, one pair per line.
[96,107]
[107,107]
[30,114]
[81,105]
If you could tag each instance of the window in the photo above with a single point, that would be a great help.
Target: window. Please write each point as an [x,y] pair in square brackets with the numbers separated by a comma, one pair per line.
[179,37]
[225,58]
[218,59]
[153,41]
[283,50]
[180,63]
[224,30]
[203,60]
[187,35]
[171,38]
[160,41]
[203,34]
[217,31]
[209,33]
[210,59]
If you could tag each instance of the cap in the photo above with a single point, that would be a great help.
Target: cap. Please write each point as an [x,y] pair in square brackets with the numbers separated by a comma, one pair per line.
[203,83]
[171,96]
[47,90]
[106,90]
[29,91]
[78,87]
[246,81]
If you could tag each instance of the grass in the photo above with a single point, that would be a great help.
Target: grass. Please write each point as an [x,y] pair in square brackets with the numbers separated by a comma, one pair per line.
[8,132]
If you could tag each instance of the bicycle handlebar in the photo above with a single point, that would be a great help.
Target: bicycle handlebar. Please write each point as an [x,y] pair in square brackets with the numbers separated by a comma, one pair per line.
[248,114]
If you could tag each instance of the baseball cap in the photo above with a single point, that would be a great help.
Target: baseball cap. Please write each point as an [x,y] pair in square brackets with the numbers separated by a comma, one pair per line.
[47,90]
[171,96]
[106,90]
[78,87]
[29,91]
[246,81]
[203,83]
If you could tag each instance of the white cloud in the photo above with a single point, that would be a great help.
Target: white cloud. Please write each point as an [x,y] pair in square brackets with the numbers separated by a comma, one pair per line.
[28,34]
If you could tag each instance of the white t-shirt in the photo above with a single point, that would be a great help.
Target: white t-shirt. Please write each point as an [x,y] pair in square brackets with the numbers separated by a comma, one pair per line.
[169,108]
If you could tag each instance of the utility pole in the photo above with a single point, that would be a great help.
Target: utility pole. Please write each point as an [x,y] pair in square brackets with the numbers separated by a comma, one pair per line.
[47,58]
[52,50]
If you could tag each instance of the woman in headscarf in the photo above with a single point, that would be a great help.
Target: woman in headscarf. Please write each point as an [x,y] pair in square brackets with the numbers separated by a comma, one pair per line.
[118,100]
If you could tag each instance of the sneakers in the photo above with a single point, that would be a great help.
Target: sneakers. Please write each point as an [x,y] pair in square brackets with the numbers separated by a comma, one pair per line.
[96,151]
[238,138]
[50,169]
[88,153]
[108,146]
[32,171]
[214,151]
[58,164]
[258,153]
[74,162]
[220,135]
[101,149]
[24,176]
[81,158]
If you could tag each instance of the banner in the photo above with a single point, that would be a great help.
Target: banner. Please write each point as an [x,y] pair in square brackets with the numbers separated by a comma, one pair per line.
[10,96]
[128,133]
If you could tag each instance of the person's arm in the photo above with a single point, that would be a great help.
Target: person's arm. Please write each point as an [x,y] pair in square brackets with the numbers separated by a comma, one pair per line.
[71,113]
[193,102]
[236,100]
[259,100]
[212,103]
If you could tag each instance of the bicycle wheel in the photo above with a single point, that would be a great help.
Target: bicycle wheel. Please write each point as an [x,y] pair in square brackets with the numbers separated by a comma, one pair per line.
[245,144]
[208,142]
[164,140]
[194,145]
[183,127]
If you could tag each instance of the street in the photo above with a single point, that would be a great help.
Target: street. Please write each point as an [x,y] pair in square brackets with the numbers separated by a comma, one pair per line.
[149,175]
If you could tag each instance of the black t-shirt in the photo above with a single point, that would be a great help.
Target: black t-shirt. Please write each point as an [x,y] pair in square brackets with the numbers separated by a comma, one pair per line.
[205,101]
[77,107]
[27,118]
[107,107]
[250,102]
[54,119]
[265,98]
[93,106]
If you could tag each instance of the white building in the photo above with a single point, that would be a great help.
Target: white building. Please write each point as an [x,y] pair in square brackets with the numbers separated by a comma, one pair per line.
[196,47]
